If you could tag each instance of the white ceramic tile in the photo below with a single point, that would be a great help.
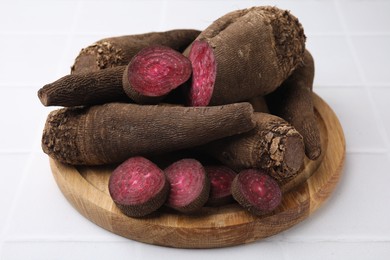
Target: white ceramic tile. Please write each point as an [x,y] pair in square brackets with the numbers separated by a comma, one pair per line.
[30,59]
[333,250]
[374,57]
[316,16]
[122,250]
[301,250]
[334,63]
[356,210]
[356,116]
[122,17]
[11,174]
[366,16]
[37,16]
[381,98]
[43,213]
[23,118]
[198,14]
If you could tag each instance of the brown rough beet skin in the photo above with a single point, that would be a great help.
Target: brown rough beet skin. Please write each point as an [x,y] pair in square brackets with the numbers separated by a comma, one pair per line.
[255,50]
[118,51]
[189,185]
[293,102]
[256,191]
[90,88]
[113,132]
[150,75]
[138,187]
[273,145]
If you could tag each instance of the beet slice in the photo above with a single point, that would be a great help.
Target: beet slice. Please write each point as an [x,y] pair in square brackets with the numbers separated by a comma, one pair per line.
[221,178]
[189,184]
[256,191]
[138,187]
[204,72]
[155,71]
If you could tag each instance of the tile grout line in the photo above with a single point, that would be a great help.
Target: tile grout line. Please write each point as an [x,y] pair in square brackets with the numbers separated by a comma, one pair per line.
[363,77]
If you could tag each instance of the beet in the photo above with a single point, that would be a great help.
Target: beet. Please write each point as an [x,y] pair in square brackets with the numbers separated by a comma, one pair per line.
[138,187]
[155,71]
[221,178]
[256,191]
[189,184]
[204,72]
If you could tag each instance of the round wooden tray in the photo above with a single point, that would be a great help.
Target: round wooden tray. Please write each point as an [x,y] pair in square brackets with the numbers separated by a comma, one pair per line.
[86,189]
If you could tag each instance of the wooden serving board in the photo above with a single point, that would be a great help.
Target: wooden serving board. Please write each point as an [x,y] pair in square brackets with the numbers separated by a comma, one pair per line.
[86,189]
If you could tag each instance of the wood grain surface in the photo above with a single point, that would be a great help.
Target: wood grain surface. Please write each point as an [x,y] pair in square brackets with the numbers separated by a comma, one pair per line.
[86,188]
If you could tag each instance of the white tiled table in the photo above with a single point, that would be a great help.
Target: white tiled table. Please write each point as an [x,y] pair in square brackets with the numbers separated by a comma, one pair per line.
[350,41]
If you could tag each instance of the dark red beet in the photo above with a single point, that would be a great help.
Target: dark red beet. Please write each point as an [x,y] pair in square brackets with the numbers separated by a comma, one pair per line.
[204,71]
[221,178]
[156,70]
[189,184]
[256,191]
[138,187]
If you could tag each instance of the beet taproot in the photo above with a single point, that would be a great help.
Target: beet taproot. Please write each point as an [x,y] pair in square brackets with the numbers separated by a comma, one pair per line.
[273,145]
[256,191]
[221,178]
[293,101]
[189,185]
[118,51]
[243,54]
[138,187]
[113,132]
[150,75]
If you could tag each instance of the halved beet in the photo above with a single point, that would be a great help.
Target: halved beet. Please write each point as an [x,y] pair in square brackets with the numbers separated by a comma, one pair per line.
[204,72]
[189,184]
[221,178]
[256,191]
[156,70]
[138,187]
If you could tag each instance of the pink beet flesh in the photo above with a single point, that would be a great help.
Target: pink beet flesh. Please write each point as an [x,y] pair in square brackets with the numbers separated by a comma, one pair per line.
[259,189]
[136,181]
[204,71]
[221,178]
[186,178]
[157,70]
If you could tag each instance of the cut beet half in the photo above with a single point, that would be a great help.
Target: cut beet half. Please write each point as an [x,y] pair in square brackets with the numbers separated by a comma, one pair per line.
[221,178]
[138,187]
[189,184]
[156,70]
[256,191]
[204,72]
